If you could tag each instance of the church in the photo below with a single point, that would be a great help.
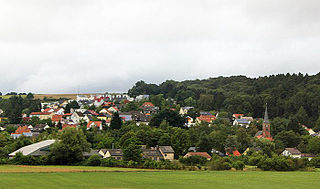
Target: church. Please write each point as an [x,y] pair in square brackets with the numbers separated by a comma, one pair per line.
[265,133]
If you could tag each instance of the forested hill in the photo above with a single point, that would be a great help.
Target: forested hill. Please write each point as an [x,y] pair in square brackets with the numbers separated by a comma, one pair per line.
[285,94]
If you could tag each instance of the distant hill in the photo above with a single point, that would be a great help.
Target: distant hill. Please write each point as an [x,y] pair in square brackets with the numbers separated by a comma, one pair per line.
[284,93]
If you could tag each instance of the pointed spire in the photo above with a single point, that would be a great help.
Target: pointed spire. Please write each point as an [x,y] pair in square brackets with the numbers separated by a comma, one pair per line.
[266,119]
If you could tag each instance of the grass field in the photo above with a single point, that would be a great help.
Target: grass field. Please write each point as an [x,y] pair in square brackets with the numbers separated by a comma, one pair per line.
[140,178]
[8,96]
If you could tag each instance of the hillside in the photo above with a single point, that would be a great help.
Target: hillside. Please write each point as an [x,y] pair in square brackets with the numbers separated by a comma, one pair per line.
[284,93]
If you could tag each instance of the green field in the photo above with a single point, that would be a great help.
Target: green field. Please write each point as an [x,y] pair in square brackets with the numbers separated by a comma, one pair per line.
[141,178]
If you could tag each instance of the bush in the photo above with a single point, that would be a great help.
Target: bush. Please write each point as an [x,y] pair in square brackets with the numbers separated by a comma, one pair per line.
[238,165]
[315,162]
[3,161]
[111,162]
[193,160]
[220,164]
[94,160]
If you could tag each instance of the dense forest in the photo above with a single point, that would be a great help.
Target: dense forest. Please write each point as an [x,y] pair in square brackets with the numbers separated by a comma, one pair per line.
[285,94]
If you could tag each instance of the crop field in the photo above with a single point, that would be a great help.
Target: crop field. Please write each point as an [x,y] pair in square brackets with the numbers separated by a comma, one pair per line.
[101,177]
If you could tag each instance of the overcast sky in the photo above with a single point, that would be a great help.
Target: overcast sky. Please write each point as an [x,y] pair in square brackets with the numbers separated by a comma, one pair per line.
[70,46]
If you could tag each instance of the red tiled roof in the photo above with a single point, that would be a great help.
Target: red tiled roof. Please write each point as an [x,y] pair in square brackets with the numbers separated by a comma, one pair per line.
[47,109]
[40,113]
[202,154]
[56,118]
[67,114]
[207,118]
[237,115]
[147,104]
[96,123]
[22,130]
[236,153]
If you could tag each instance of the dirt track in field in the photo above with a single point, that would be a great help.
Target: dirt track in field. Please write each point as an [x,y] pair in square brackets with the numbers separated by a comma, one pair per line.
[44,169]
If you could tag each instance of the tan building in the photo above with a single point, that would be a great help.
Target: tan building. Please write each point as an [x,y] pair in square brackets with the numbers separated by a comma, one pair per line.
[167,152]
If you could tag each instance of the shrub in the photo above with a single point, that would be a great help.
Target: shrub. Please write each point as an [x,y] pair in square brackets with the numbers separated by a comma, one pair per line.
[94,160]
[220,164]
[315,162]
[3,161]
[193,160]
[111,162]
[238,165]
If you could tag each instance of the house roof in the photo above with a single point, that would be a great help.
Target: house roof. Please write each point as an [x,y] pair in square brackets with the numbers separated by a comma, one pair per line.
[96,123]
[149,153]
[40,113]
[202,154]
[293,151]
[207,118]
[237,115]
[115,152]
[147,104]
[91,153]
[243,121]
[27,150]
[166,149]
[22,129]
[56,117]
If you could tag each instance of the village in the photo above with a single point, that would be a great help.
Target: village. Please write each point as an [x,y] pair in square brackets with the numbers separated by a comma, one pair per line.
[96,112]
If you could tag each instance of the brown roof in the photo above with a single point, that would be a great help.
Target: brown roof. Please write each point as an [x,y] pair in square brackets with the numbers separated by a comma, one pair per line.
[293,151]
[166,149]
[202,154]
[115,152]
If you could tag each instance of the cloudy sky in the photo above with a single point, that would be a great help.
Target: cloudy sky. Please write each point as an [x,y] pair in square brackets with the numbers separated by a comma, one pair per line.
[70,46]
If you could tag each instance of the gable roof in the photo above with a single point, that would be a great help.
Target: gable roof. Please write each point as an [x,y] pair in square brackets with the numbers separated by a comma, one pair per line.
[115,152]
[96,123]
[22,129]
[166,149]
[293,151]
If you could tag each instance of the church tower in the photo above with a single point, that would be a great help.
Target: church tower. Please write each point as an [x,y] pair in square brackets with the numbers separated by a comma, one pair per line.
[266,125]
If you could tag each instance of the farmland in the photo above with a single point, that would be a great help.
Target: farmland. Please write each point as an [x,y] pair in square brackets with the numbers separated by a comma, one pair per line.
[100,177]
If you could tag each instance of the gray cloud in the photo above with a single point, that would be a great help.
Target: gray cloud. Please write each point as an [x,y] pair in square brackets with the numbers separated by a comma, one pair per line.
[96,46]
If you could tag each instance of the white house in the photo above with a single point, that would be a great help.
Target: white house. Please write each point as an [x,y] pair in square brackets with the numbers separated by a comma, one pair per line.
[291,152]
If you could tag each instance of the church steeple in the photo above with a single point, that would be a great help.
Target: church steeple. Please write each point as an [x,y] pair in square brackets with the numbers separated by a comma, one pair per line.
[266,125]
[266,119]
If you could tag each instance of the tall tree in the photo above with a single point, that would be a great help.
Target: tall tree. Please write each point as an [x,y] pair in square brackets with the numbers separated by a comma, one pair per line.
[116,121]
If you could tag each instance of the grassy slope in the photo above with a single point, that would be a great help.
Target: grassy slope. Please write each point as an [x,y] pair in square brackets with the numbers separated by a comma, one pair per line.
[164,179]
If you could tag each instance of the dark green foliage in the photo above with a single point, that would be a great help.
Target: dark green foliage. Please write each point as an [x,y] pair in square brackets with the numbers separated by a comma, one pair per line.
[116,121]
[69,149]
[193,160]
[314,145]
[172,117]
[285,94]
[219,164]
[132,152]
[15,105]
[315,162]
[288,138]
[238,165]
[94,160]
